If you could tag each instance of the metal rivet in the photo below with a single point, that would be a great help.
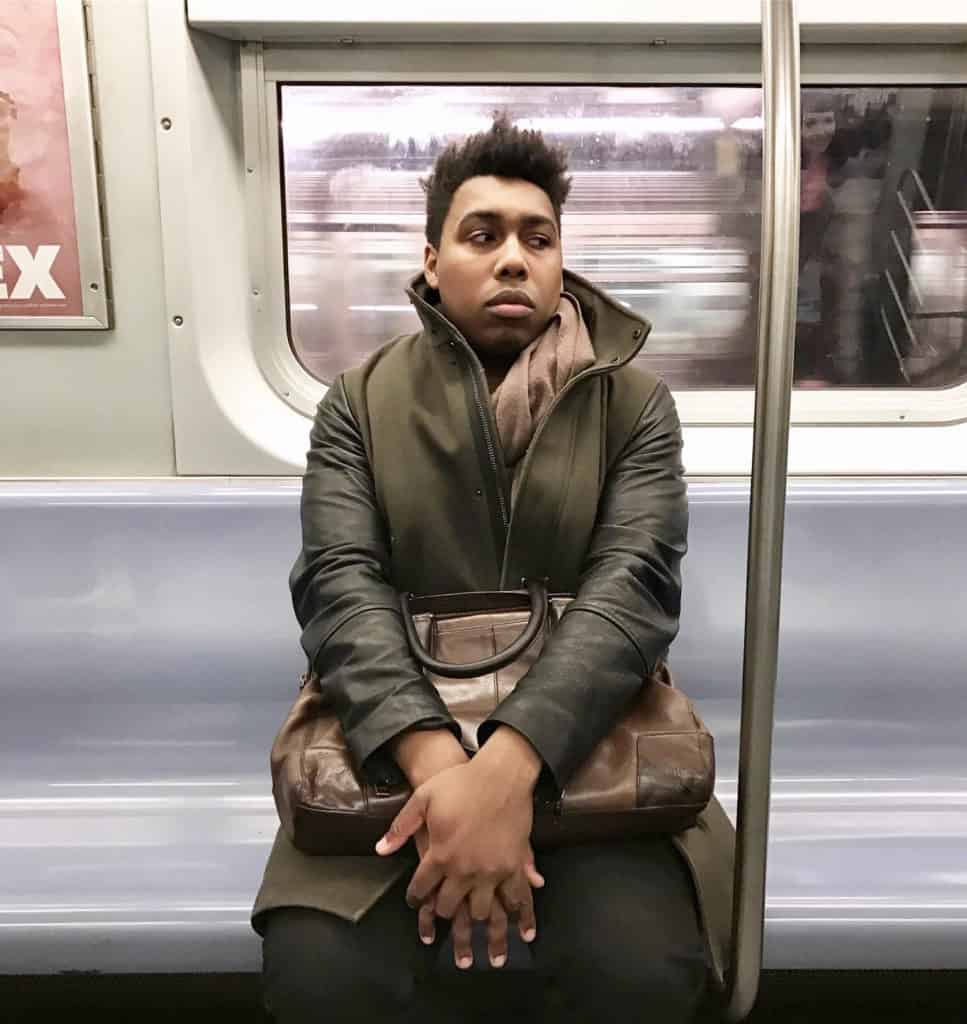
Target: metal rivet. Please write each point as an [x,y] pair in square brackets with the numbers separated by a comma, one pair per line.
[251,170]
[659,41]
[177,320]
[94,286]
[166,123]
[636,334]
[255,292]
[478,492]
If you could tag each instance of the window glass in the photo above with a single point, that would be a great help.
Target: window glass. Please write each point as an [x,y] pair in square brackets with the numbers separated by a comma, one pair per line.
[664,212]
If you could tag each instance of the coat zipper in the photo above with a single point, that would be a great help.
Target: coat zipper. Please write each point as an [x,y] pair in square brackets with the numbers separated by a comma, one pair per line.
[484,414]
[491,447]
[594,371]
[486,417]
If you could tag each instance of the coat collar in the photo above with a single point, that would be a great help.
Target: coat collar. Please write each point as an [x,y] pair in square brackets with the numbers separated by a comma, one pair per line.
[617,334]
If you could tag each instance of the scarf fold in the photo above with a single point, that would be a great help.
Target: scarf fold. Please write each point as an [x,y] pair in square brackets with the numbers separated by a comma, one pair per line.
[535,377]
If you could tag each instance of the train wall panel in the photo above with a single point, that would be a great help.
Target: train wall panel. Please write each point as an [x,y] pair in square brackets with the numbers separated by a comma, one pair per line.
[98,403]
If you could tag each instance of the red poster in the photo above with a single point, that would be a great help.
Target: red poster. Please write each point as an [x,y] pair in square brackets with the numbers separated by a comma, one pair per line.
[39,268]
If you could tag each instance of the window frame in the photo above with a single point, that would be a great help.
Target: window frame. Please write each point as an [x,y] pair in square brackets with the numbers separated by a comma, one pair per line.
[263,68]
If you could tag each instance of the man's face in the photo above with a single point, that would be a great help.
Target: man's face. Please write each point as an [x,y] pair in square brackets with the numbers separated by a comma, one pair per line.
[498,267]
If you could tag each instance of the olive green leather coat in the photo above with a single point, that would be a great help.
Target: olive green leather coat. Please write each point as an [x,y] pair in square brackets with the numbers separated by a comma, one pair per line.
[406,489]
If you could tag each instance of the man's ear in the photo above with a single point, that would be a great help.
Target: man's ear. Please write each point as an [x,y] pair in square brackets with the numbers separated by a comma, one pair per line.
[429,266]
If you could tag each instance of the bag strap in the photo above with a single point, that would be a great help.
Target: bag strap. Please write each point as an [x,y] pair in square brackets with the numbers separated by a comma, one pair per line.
[485,602]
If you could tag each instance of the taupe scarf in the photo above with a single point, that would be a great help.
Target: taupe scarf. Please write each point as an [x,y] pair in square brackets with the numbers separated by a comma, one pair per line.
[525,394]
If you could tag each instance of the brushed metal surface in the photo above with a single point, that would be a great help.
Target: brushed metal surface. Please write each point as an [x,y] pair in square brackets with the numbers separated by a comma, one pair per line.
[779,278]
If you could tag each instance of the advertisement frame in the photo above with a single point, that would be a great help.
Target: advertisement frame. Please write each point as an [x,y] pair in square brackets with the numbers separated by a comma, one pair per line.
[79,109]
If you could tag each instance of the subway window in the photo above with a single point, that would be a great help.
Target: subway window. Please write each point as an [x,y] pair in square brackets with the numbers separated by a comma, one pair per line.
[664,212]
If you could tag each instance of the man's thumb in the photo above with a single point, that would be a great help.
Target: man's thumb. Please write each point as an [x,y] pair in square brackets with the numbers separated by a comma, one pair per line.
[407,823]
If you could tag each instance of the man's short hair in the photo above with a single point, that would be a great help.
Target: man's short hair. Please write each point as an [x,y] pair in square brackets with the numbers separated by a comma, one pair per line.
[503,151]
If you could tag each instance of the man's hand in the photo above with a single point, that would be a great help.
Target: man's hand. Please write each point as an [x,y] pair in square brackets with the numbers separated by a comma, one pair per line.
[425,754]
[478,817]
[462,925]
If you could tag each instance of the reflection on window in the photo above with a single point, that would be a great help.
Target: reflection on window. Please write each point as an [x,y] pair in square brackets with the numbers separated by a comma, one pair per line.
[664,213]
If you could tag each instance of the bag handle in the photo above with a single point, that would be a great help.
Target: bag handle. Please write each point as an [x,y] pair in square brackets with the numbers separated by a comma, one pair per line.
[536,591]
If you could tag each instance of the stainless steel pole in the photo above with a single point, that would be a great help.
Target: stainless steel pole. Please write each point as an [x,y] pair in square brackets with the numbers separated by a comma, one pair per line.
[777,321]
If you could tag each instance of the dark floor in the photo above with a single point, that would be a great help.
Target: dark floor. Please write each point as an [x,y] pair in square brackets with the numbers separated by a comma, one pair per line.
[786,997]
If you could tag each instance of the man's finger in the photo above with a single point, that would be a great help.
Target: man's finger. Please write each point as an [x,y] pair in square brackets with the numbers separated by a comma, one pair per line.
[527,919]
[421,841]
[450,896]
[481,900]
[462,932]
[497,935]
[426,922]
[516,897]
[425,879]
[534,877]
[409,821]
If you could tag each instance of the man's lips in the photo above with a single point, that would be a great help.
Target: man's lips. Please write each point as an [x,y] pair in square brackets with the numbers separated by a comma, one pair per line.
[512,304]
[511,310]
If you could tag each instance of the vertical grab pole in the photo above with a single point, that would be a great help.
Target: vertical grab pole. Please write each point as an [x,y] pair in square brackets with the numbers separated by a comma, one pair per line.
[774,363]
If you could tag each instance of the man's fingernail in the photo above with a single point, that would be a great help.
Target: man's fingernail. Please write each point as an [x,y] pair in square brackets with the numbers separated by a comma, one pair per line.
[464,962]
[499,960]
[530,934]
[427,940]
[382,845]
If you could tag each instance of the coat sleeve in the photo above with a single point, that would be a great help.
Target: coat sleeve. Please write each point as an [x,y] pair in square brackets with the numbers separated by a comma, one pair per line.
[626,610]
[352,629]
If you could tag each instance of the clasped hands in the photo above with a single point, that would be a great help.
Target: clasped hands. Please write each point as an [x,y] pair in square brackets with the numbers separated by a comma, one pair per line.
[471,821]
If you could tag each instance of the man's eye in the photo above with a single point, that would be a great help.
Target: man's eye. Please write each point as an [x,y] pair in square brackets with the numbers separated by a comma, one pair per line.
[540,241]
[481,236]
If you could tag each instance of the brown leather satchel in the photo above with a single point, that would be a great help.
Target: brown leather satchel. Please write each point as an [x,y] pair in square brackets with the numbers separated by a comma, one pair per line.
[654,772]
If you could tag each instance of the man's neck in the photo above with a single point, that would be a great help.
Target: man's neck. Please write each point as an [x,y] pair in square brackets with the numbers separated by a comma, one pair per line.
[495,367]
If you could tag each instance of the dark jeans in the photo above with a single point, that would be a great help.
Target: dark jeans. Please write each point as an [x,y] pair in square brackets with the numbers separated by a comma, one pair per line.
[618,941]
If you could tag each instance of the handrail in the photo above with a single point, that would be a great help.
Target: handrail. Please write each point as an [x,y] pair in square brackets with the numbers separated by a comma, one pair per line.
[774,363]
[894,291]
[908,174]
[914,175]
[884,319]
[907,269]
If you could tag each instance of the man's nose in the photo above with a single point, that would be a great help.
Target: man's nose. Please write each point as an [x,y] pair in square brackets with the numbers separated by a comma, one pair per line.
[511,260]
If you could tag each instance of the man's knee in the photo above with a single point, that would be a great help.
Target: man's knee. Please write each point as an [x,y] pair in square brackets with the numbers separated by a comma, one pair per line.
[623,926]
[640,974]
[315,969]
